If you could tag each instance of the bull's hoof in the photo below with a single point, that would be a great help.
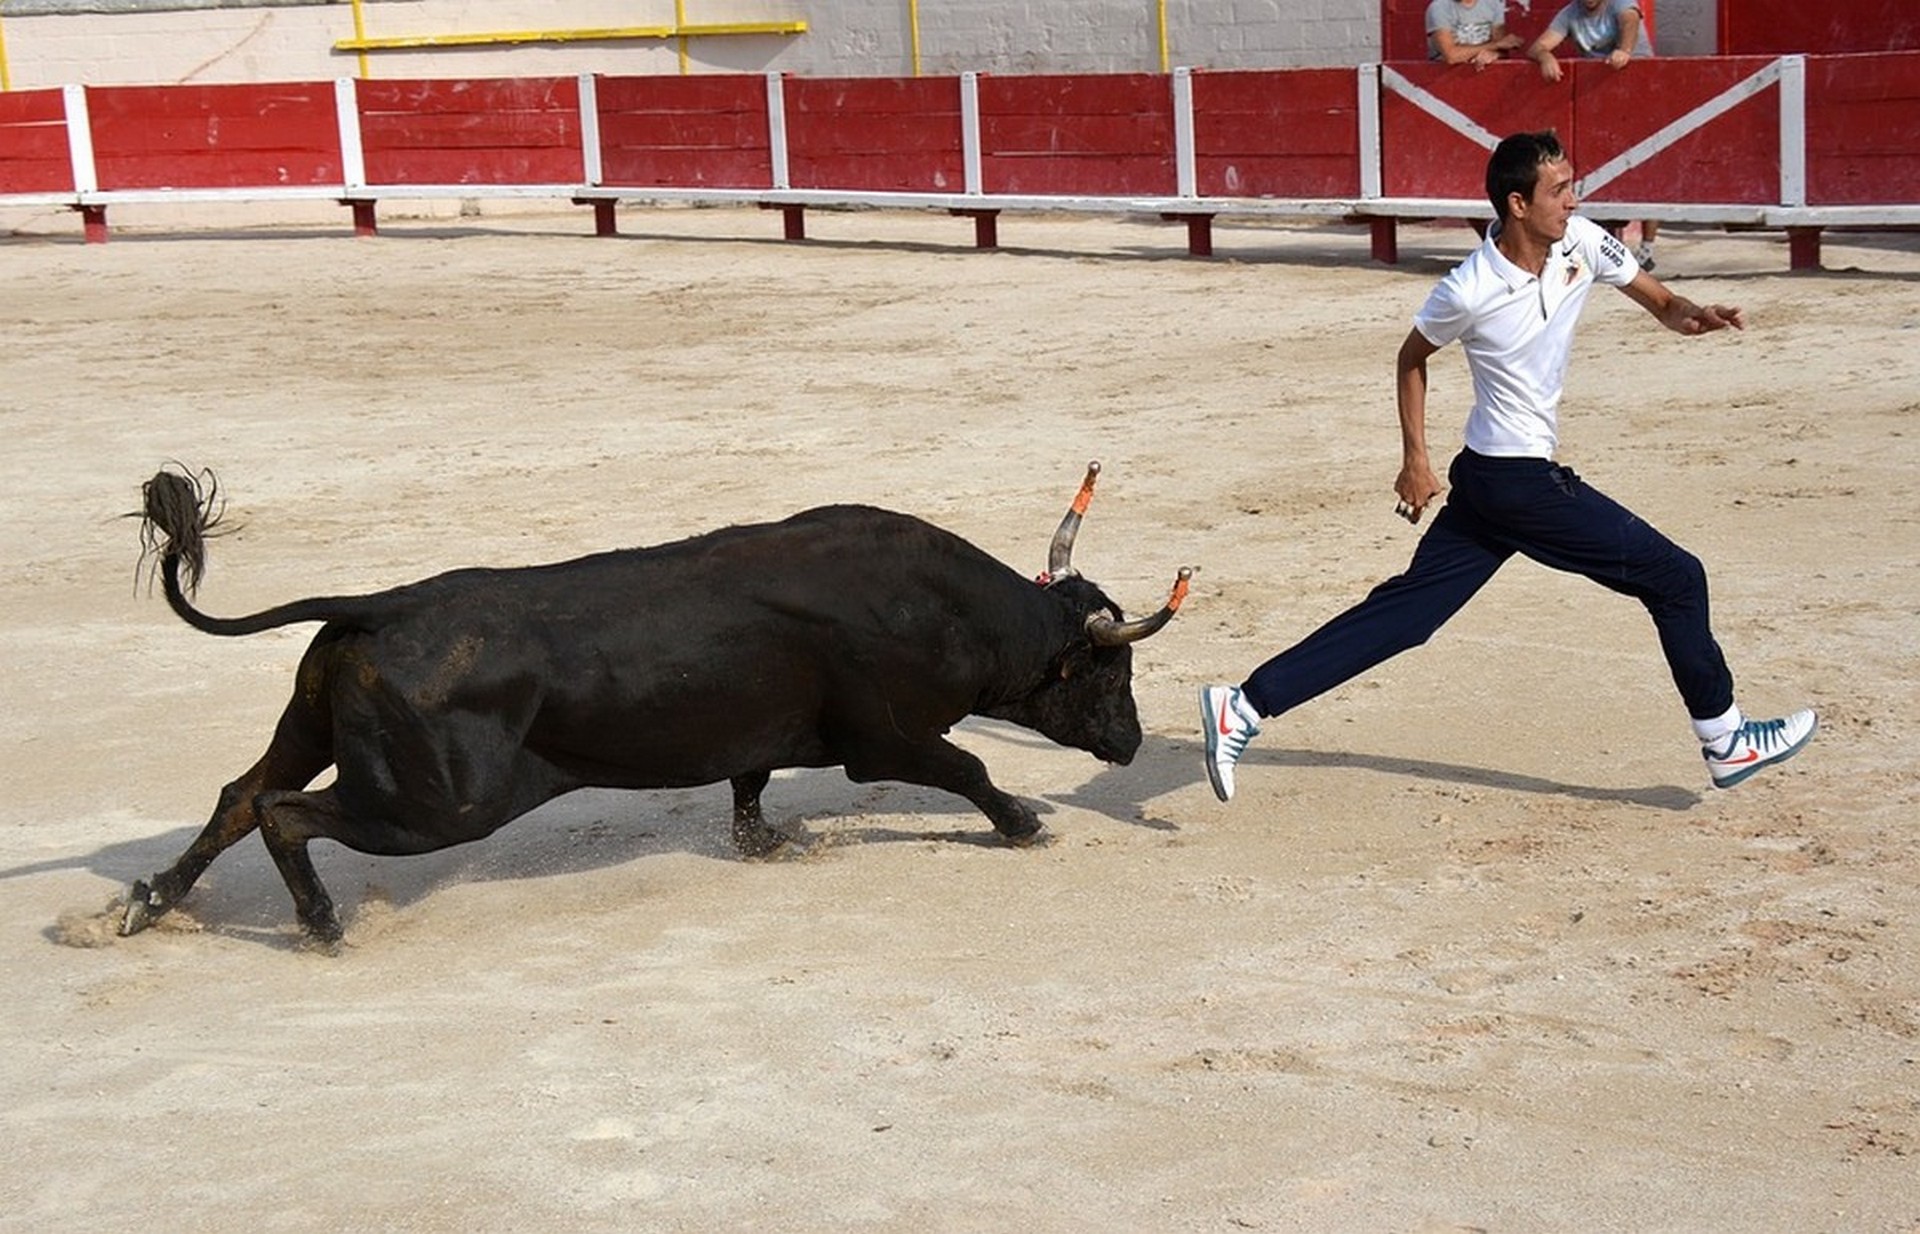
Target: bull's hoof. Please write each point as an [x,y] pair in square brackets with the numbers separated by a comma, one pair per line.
[323,944]
[321,932]
[1039,837]
[757,840]
[141,909]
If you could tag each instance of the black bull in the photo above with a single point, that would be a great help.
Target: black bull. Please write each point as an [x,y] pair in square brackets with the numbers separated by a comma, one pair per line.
[843,636]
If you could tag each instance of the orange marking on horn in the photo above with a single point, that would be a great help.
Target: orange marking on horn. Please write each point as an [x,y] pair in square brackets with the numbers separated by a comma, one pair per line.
[1179,589]
[1085,495]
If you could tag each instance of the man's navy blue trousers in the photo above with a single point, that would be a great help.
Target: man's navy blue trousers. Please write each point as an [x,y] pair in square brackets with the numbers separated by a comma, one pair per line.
[1497,507]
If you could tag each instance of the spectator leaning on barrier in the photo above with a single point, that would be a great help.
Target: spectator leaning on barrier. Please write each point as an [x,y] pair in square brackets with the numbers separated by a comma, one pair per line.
[1610,30]
[1512,306]
[1474,32]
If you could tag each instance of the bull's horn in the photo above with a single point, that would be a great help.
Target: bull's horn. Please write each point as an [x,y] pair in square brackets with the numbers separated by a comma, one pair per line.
[1060,553]
[1106,632]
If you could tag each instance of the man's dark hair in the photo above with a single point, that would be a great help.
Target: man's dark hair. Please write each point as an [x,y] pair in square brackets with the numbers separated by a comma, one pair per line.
[1515,166]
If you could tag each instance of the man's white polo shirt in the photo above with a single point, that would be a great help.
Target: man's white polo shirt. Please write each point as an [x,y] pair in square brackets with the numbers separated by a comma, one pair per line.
[1517,332]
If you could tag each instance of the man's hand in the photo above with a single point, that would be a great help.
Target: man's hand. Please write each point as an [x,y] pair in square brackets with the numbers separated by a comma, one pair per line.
[1706,318]
[1416,487]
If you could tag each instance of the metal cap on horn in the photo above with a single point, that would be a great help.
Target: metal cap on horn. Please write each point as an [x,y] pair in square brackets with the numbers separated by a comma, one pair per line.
[1106,632]
[1060,552]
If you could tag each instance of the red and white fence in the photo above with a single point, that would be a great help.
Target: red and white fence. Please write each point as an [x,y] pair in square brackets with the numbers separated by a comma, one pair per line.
[1793,142]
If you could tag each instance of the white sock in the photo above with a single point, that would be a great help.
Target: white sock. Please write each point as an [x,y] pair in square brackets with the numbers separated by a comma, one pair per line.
[1716,730]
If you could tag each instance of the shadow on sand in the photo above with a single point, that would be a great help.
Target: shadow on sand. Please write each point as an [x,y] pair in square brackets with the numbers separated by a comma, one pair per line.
[594,829]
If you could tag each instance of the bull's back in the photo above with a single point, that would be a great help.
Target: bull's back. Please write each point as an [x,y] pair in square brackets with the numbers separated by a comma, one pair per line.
[746,648]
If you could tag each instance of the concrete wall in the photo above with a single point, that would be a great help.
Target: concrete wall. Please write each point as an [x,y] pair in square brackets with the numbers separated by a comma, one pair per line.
[294,41]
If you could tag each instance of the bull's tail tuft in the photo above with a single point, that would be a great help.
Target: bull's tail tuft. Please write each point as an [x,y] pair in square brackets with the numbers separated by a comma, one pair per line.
[180,511]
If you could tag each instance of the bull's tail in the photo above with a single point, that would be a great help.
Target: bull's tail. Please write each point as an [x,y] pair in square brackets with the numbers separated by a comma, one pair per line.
[180,512]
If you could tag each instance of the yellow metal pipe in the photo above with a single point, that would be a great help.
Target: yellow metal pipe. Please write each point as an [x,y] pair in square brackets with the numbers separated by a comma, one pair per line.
[360,33]
[679,21]
[913,32]
[607,34]
[1166,58]
[6,78]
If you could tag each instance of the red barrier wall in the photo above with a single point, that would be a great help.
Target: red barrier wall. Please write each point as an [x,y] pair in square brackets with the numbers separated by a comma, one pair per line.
[1423,157]
[1733,159]
[1817,27]
[1291,134]
[1107,135]
[505,131]
[685,132]
[1863,129]
[884,134]
[1285,133]
[33,143]
[1599,113]
[284,134]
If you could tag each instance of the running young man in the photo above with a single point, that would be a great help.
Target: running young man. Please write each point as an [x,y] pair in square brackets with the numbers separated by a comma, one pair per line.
[1512,306]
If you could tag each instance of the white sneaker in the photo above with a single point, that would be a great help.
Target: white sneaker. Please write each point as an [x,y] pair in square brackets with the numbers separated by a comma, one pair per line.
[1644,255]
[1757,744]
[1227,724]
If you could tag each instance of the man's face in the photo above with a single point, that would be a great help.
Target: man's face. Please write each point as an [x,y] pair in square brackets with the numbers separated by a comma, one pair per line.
[1552,204]
[1591,6]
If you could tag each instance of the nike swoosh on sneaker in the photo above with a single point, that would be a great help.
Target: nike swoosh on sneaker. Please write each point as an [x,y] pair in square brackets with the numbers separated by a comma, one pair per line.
[1753,756]
[1226,730]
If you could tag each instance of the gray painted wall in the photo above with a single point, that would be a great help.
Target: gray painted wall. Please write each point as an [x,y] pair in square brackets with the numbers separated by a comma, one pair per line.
[56,42]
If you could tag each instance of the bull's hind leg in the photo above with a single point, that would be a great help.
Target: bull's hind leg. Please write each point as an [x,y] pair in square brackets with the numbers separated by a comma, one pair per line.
[751,835]
[300,750]
[287,822]
[938,763]
[403,828]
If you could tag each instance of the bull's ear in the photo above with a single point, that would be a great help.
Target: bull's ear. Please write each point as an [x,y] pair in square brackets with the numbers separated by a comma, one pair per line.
[1071,661]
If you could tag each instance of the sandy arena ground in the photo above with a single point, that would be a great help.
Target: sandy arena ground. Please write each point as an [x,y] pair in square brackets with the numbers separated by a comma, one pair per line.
[1475,948]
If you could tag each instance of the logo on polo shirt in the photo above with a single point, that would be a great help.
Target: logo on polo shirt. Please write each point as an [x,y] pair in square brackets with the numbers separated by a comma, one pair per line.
[1613,250]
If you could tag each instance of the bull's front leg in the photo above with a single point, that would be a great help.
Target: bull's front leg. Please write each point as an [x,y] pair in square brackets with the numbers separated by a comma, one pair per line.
[751,835]
[938,763]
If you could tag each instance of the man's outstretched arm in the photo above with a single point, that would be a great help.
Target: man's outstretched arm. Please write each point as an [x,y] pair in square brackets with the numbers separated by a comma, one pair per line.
[1679,314]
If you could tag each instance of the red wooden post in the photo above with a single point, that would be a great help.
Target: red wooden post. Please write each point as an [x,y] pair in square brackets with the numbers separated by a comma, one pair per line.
[604,222]
[1199,232]
[1386,239]
[1803,248]
[94,219]
[364,223]
[793,219]
[986,226]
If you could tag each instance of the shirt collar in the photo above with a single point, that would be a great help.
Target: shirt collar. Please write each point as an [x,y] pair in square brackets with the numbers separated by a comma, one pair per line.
[1513,276]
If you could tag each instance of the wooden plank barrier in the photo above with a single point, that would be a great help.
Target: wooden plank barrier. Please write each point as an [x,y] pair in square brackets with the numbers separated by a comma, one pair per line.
[875,134]
[201,143]
[685,132]
[1786,27]
[1863,129]
[1077,136]
[516,131]
[1276,133]
[238,136]
[1792,142]
[34,155]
